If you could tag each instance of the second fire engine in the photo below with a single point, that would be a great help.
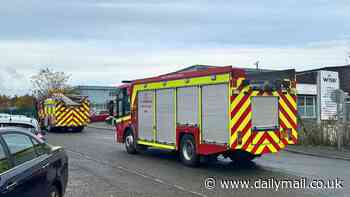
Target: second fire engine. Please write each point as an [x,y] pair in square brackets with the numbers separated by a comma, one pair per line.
[64,112]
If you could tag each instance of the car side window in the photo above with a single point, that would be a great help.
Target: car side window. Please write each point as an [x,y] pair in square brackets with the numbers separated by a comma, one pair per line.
[4,160]
[20,146]
[40,148]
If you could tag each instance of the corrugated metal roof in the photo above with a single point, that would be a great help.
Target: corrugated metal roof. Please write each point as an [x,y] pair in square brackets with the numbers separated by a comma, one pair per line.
[325,68]
[204,67]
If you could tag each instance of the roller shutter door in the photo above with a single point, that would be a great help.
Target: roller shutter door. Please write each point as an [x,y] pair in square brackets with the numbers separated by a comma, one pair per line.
[145,100]
[265,113]
[187,105]
[165,115]
[215,115]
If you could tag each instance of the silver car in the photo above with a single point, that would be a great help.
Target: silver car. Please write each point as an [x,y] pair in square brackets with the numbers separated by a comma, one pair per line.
[30,124]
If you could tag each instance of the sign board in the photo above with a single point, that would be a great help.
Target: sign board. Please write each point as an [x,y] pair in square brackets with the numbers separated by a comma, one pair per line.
[307,89]
[328,82]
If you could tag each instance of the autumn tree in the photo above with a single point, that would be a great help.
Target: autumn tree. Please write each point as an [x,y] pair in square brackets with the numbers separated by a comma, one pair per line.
[25,101]
[47,81]
[5,101]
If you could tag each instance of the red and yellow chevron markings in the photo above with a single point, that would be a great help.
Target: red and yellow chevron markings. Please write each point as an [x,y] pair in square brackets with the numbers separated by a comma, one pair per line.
[288,116]
[258,142]
[72,116]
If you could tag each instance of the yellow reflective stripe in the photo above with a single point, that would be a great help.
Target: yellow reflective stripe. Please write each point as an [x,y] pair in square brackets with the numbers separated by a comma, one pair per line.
[83,116]
[62,114]
[274,136]
[272,148]
[288,125]
[171,147]
[86,107]
[220,78]
[241,127]
[125,118]
[62,121]
[238,98]
[69,121]
[77,117]
[291,100]
[257,138]
[240,112]
[261,147]
[289,112]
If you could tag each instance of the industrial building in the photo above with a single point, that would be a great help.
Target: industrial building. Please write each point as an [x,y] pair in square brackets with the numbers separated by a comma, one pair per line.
[99,96]
[316,91]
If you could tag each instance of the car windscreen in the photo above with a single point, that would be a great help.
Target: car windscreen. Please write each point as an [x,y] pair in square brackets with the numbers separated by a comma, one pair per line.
[28,127]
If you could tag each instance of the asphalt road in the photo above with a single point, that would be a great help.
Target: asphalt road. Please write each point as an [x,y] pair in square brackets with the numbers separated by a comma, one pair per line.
[101,168]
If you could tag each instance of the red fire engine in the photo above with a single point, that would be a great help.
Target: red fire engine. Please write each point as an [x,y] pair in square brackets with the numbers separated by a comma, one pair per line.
[219,110]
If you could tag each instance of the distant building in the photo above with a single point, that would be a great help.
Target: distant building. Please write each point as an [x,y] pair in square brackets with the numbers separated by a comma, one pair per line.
[315,98]
[310,76]
[99,96]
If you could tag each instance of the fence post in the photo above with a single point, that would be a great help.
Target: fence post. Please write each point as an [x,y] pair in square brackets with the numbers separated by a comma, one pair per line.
[342,113]
[344,123]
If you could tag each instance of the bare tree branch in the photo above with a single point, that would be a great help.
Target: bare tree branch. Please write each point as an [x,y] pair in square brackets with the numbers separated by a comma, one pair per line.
[47,81]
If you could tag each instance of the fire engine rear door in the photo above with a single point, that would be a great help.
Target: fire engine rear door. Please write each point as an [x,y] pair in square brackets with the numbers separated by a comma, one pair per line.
[264,113]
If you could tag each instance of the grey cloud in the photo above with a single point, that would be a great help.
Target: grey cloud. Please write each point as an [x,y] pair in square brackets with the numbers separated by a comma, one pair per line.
[12,73]
[12,81]
[127,39]
[160,23]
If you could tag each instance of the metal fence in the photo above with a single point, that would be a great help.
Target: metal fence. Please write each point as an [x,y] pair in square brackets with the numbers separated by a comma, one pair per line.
[347,105]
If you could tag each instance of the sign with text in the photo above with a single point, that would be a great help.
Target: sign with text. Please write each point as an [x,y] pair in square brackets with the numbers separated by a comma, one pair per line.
[328,82]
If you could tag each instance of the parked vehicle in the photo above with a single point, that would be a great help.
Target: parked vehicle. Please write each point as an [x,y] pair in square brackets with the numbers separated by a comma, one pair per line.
[31,124]
[100,117]
[30,167]
[64,112]
[220,110]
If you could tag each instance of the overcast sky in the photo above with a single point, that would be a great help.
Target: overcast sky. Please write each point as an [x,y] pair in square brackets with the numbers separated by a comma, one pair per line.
[103,42]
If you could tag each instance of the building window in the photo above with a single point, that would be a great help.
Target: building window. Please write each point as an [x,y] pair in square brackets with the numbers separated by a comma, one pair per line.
[307,106]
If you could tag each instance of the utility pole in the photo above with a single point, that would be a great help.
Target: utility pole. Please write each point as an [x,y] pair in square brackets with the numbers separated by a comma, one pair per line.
[257,64]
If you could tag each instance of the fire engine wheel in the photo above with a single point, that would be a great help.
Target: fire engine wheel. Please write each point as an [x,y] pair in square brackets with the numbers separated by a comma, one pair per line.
[188,153]
[130,142]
